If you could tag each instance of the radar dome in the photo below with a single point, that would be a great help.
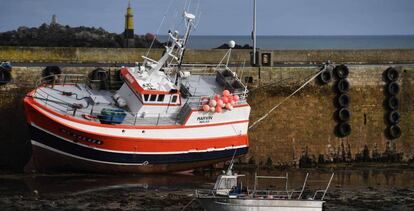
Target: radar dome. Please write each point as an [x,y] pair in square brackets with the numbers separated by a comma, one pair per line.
[232,44]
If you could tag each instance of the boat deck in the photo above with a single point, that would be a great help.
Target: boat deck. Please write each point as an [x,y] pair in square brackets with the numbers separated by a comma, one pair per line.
[202,85]
[92,101]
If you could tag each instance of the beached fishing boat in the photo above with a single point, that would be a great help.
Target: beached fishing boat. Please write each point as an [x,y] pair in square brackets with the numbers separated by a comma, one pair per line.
[229,194]
[164,118]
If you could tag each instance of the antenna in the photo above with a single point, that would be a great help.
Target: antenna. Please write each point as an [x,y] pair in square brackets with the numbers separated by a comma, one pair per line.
[198,14]
[159,27]
[197,8]
[229,170]
[198,20]
[254,33]
[189,4]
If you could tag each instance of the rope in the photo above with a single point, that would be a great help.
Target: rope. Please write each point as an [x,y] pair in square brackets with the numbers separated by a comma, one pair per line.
[159,27]
[284,100]
[278,82]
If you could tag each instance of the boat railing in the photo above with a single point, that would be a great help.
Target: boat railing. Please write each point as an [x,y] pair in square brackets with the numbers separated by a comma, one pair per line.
[86,109]
[286,193]
[322,192]
[204,192]
[259,193]
[201,68]
[73,79]
[51,101]
[61,79]
[270,194]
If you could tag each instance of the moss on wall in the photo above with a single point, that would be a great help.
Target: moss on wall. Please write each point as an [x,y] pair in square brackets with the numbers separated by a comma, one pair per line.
[206,56]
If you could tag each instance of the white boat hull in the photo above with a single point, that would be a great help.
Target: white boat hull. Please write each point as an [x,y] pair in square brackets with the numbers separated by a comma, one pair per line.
[228,204]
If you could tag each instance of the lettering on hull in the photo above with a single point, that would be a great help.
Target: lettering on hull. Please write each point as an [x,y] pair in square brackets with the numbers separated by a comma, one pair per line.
[204,119]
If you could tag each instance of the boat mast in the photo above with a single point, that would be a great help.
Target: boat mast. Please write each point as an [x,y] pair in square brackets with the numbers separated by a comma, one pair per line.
[189,18]
[254,33]
[176,41]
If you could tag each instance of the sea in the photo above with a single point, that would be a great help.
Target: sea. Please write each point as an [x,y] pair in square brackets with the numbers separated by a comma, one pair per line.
[305,42]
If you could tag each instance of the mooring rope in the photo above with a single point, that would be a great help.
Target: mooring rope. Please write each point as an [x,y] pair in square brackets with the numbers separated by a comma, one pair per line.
[284,100]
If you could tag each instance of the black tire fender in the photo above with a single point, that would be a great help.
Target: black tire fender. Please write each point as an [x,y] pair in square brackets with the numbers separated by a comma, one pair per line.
[342,86]
[50,72]
[394,117]
[343,129]
[393,88]
[391,74]
[344,114]
[341,71]
[393,103]
[5,77]
[325,77]
[342,101]
[394,131]
[99,77]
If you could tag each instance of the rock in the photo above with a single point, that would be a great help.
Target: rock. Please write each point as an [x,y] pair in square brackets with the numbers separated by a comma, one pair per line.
[65,36]
[226,46]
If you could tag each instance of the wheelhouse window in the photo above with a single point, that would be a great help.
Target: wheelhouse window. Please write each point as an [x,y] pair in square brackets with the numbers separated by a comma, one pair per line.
[146,97]
[161,98]
[174,99]
[153,98]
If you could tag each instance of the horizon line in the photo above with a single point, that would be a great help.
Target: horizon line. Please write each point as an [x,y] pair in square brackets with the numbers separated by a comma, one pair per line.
[228,35]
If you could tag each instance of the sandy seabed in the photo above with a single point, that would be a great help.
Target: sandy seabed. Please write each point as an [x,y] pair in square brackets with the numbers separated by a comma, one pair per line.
[373,189]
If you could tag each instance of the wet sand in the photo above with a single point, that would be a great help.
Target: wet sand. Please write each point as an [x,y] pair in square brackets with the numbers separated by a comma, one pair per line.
[358,189]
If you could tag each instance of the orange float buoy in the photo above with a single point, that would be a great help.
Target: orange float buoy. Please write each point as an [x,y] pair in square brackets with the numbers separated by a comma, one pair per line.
[229,106]
[206,108]
[225,99]
[226,92]
[218,109]
[220,103]
[217,97]
[213,103]
[212,109]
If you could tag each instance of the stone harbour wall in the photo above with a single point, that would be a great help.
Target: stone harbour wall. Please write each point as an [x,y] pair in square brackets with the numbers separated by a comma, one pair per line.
[305,123]
[205,56]
[300,131]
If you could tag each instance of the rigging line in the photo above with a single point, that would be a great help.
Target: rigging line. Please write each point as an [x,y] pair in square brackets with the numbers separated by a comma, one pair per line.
[197,8]
[159,27]
[173,23]
[284,100]
[188,6]
[185,5]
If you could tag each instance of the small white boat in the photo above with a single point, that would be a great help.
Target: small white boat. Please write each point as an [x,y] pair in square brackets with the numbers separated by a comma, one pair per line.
[229,194]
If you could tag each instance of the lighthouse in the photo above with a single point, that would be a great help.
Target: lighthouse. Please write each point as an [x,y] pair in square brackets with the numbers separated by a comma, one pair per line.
[129,28]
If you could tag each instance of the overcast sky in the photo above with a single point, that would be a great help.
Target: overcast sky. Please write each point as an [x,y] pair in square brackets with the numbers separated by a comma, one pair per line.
[222,17]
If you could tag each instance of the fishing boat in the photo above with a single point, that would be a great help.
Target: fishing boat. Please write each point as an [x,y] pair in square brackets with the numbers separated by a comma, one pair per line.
[229,194]
[166,116]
